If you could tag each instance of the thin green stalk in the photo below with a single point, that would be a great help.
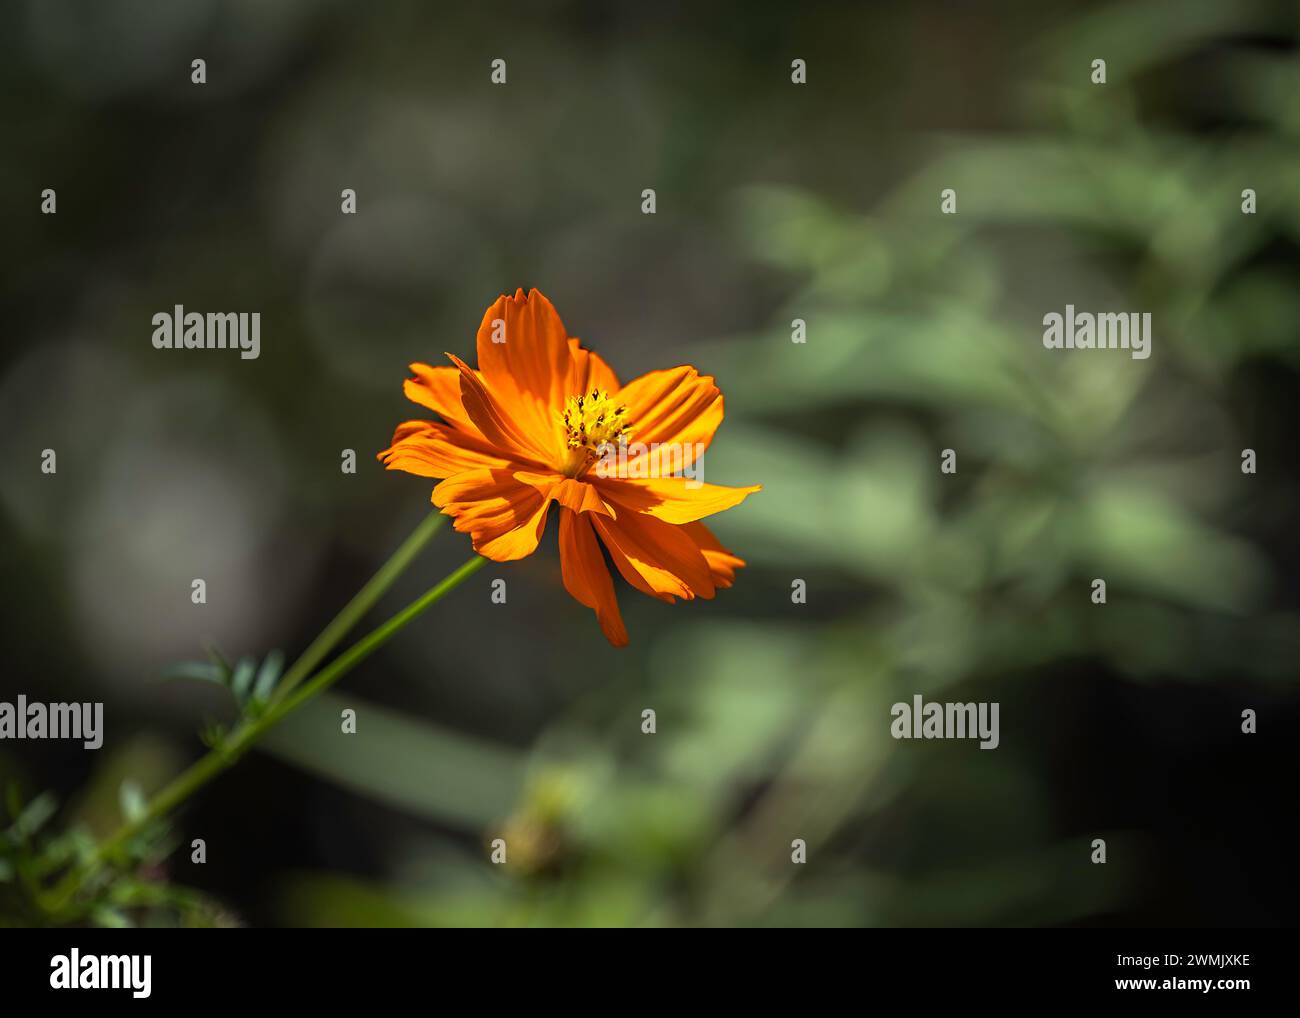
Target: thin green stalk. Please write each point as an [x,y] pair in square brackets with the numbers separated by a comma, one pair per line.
[361,603]
[222,756]
[366,646]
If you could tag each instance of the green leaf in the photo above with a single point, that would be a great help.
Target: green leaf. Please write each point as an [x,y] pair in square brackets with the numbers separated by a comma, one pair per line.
[111,917]
[242,679]
[268,675]
[202,670]
[217,659]
[212,734]
[132,800]
[392,756]
[36,813]
[154,841]
[75,844]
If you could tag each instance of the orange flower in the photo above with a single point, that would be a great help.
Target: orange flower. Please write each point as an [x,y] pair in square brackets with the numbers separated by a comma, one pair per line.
[543,420]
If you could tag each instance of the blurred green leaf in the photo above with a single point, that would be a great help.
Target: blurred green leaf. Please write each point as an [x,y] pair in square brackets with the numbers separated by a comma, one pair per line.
[35,815]
[268,675]
[132,801]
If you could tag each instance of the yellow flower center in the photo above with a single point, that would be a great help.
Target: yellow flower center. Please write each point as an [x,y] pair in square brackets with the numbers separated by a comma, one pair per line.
[591,423]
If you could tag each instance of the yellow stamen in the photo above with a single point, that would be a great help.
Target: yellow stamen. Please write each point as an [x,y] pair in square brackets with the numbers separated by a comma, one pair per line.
[591,422]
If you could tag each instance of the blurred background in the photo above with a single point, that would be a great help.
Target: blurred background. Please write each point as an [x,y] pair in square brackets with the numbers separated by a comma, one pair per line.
[775,201]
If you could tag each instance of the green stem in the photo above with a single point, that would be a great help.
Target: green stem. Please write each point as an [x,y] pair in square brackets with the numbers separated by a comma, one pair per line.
[248,732]
[370,643]
[361,603]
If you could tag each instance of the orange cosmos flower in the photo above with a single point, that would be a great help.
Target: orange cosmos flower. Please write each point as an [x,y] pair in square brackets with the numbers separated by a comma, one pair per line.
[543,420]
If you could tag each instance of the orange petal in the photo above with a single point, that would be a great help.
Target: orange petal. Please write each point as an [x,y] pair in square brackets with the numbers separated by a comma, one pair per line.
[588,371]
[673,499]
[439,390]
[408,428]
[677,406]
[585,575]
[429,449]
[495,421]
[722,563]
[505,518]
[572,494]
[657,558]
[530,370]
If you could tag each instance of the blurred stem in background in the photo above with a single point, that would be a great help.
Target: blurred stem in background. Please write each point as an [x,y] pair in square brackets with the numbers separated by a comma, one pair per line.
[285,699]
